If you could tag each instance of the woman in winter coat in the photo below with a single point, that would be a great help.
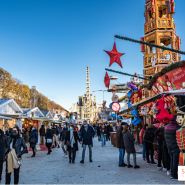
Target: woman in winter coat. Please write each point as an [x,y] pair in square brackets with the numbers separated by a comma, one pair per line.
[103,132]
[128,140]
[71,141]
[141,136]
[173,148]
[49,137]
[33,139]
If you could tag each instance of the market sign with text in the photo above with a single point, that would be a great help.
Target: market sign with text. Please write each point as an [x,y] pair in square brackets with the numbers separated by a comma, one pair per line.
[172,80]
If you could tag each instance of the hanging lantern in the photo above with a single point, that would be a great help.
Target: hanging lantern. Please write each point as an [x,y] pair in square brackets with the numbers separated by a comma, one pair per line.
[172,6]
[153,6]
[142,45]
[179,43]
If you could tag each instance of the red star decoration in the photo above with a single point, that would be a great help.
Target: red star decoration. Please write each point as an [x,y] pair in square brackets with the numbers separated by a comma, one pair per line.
[106,80]
[115,56]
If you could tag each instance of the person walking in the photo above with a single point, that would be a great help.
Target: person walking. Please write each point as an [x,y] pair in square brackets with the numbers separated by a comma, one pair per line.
[17,144]
[49,137]
[173,148]
[98,132]
[103,132]
[128,140]
[33,139]
[149,138]
[141,136]
[120,145]
[160,138]
[71,141]
[55,137]
[42,134]
[108,132]
[86,135]
[63,138]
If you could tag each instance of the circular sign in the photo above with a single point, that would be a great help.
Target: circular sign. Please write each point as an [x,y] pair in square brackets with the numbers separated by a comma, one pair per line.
[115,107]
[115,98]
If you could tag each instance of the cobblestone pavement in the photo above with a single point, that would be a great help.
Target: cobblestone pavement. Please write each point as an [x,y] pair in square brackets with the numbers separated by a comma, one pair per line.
[55,169]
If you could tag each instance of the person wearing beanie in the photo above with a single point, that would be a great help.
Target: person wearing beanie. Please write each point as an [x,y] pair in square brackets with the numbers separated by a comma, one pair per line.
[173,148]
[120,144]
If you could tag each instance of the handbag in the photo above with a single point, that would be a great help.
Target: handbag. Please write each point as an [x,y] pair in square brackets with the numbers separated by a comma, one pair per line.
[49,140]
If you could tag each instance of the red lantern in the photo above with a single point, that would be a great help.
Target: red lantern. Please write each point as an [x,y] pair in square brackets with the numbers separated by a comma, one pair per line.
[153,6]
[172,6]
[179,43]
[142,45]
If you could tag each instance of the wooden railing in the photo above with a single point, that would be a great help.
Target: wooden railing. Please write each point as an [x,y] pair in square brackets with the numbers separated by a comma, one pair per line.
[150,26]
[164,23]
[168,55]
[148,59]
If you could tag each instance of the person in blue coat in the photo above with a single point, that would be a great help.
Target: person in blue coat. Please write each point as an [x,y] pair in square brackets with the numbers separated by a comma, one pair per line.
[33,139]
[86,135]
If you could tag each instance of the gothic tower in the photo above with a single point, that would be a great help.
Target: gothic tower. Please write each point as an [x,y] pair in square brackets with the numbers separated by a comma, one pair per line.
[88,93]
[159,29]
[33,97]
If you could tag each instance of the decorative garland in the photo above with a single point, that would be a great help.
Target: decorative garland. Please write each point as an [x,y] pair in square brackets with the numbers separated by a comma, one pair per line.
[161,73]
[125,74]
[149,44]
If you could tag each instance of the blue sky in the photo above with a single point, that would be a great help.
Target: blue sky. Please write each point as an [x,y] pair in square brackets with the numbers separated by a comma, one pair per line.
[49,43]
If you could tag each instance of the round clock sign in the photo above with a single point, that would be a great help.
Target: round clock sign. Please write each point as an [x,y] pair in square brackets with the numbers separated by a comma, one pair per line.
[115,107]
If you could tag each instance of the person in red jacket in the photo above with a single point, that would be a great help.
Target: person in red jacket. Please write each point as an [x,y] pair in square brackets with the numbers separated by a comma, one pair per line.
[141,136]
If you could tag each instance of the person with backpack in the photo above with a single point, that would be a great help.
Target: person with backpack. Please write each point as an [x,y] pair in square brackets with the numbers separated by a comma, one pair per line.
[149,138]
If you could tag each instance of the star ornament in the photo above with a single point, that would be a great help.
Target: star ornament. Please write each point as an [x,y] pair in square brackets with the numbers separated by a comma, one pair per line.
[115,56]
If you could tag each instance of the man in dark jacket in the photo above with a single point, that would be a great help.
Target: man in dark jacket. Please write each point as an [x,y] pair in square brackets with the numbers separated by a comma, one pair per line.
[87,133]
[63,138]
[42,134]
[149,138]
[120,144]
[98,132]
[171,142]
[16,143]
[33,139]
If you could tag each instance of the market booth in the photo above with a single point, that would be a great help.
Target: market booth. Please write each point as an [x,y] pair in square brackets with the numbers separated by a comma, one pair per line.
[10,109]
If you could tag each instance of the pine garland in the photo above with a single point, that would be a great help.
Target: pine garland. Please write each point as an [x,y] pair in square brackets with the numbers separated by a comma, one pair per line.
[161,73]
[149,44]
[125,74]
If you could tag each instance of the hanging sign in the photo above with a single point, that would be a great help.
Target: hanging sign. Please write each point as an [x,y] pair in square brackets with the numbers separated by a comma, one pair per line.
[115,98]
[115,107]
[170,81]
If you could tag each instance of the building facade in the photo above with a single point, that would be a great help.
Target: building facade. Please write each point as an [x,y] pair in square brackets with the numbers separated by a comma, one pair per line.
[82,108]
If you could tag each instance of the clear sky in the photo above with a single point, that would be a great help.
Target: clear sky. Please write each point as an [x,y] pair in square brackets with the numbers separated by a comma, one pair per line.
[49,43]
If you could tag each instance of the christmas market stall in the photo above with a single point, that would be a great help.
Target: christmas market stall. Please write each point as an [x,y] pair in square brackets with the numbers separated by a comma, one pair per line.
[10,109]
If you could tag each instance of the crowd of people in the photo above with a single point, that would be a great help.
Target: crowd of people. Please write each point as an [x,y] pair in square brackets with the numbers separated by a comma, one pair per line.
[68,137]
[168,149]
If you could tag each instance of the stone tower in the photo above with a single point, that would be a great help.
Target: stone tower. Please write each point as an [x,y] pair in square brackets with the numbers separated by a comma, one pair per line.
[33,97]
[159,29]
[88,93]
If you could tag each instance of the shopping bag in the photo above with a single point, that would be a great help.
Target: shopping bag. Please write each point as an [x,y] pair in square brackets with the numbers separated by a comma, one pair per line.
[28,146]
[37,147]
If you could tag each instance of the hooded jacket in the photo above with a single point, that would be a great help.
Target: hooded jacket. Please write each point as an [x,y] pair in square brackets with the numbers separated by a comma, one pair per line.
[170,136]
